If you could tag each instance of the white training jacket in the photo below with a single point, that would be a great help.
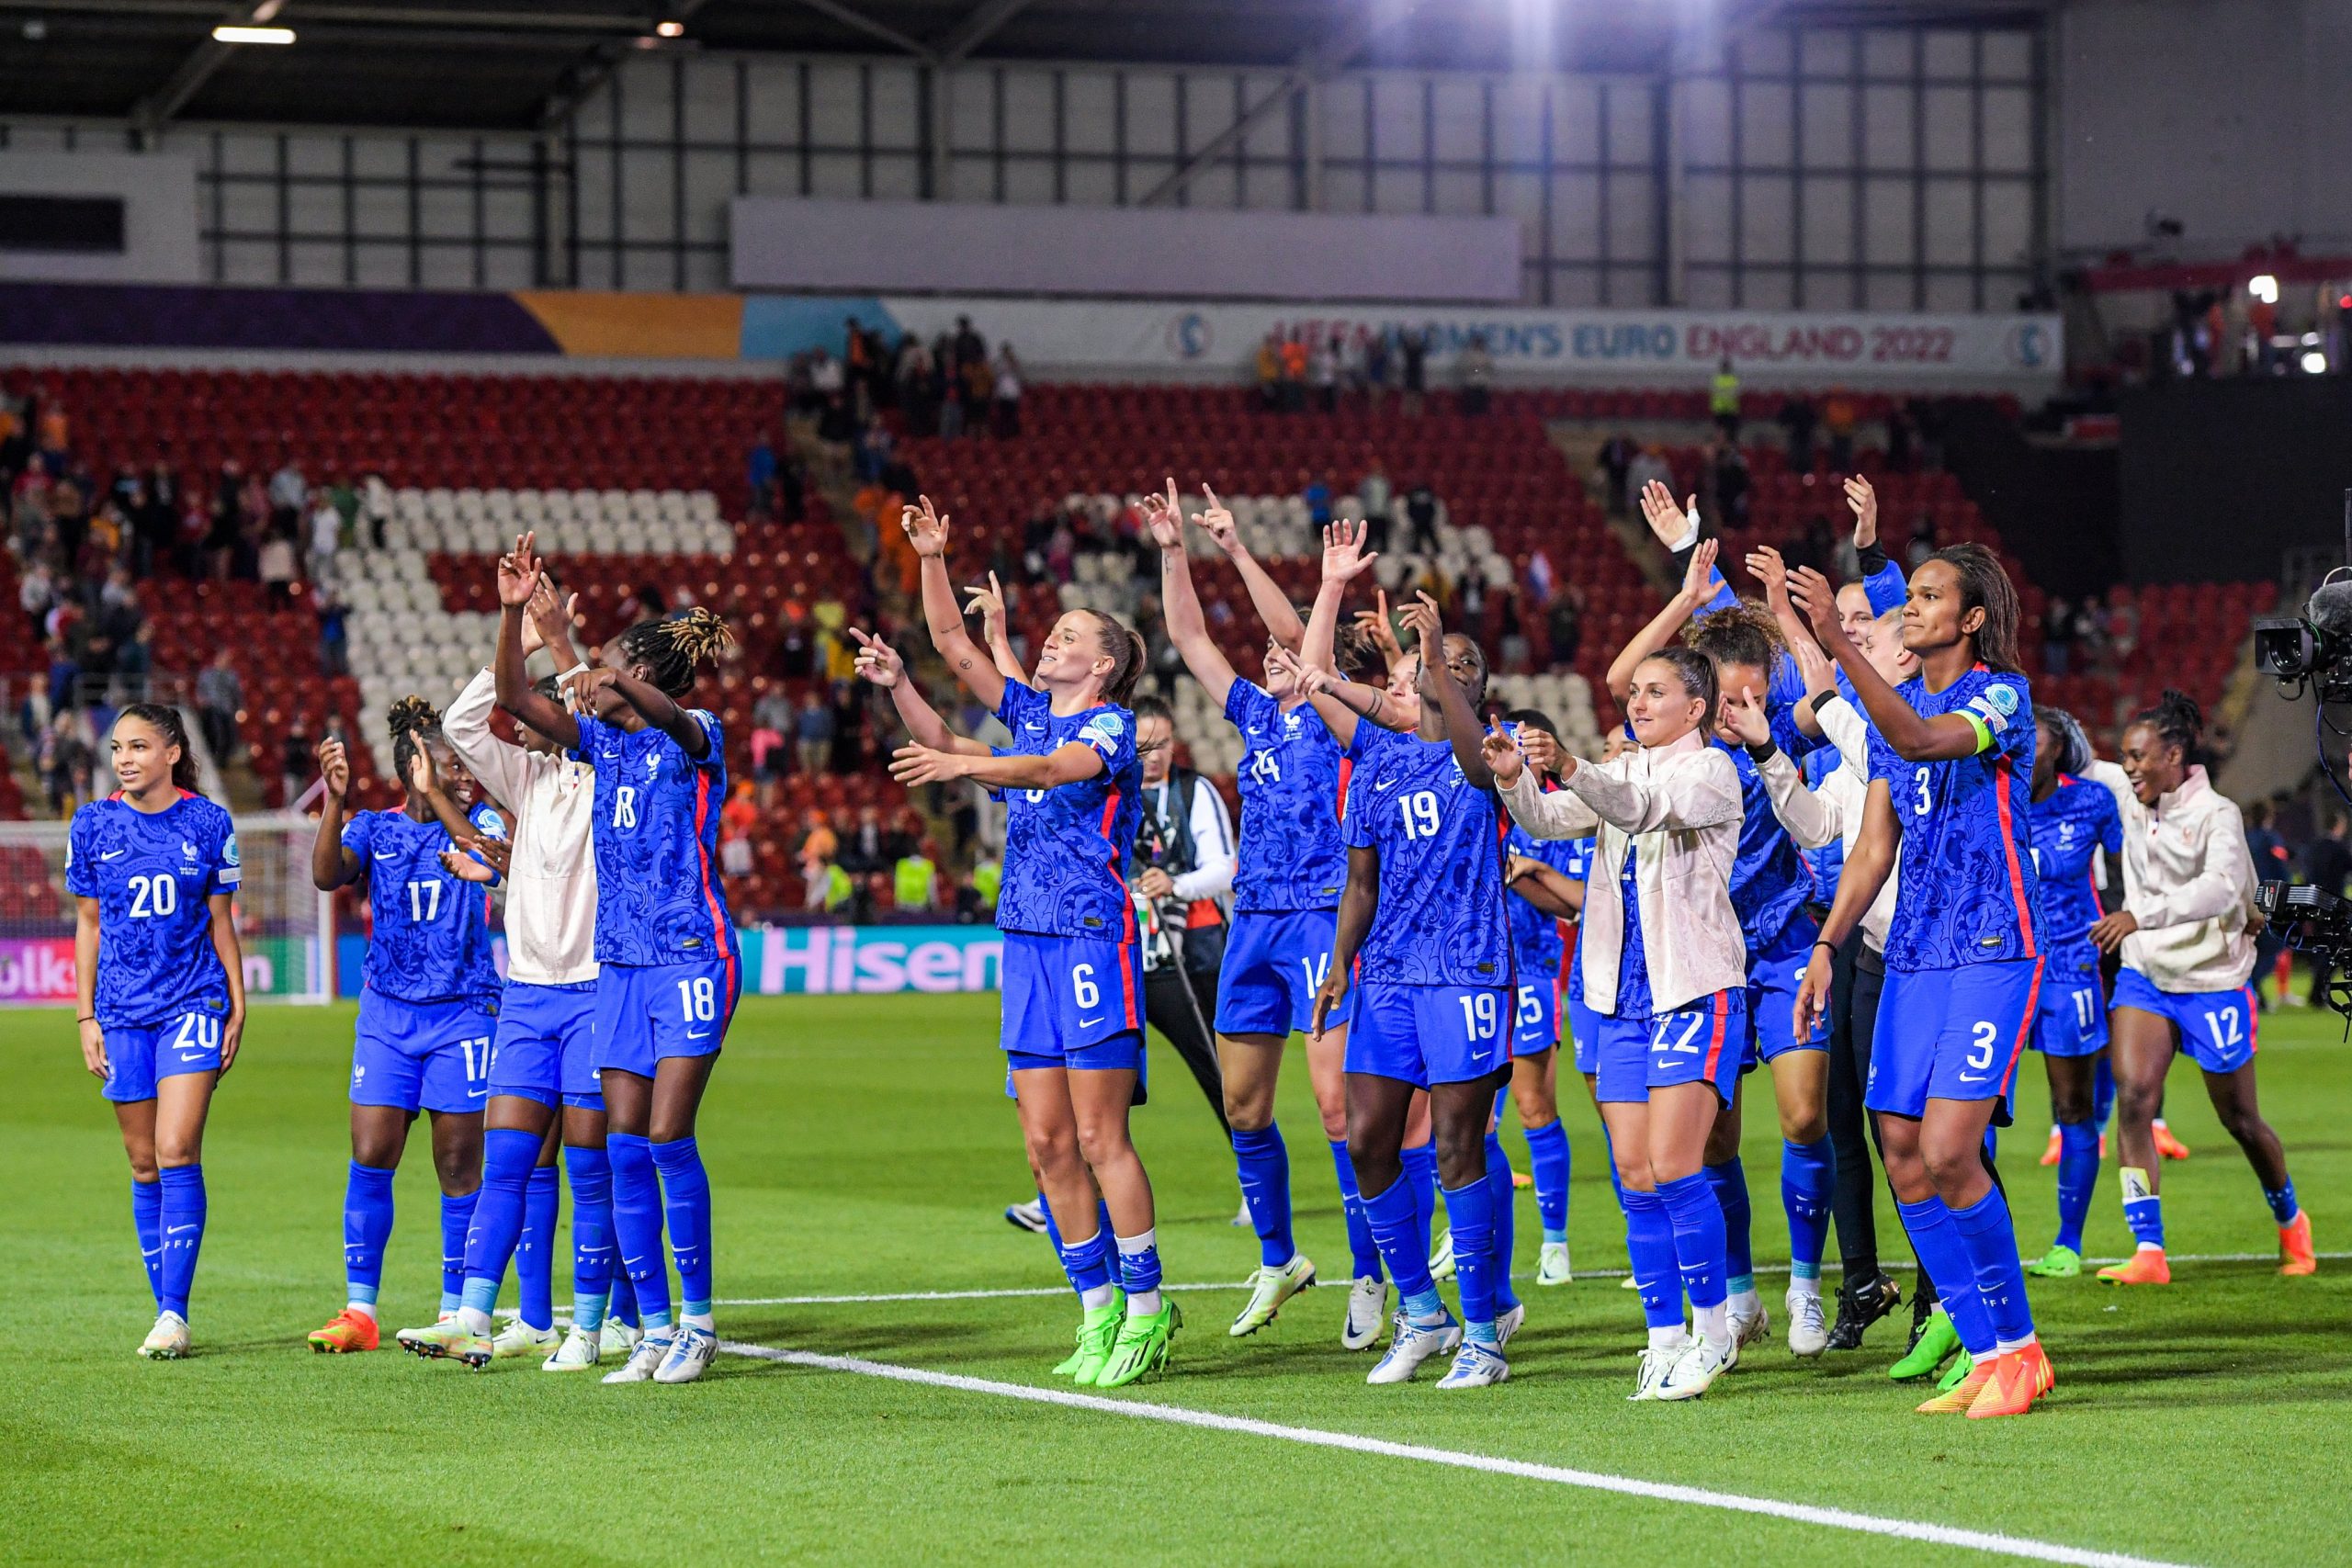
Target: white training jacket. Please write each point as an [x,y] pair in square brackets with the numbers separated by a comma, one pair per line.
[552,885]
[1678,806]
[2188,879]
[1832,813]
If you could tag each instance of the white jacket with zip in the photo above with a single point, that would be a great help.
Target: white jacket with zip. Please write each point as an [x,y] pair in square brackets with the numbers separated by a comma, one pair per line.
[2188,880]
[551,883]
[1678,806]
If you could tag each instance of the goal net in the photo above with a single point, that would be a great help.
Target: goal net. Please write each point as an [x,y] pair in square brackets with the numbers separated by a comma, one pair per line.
[282,920]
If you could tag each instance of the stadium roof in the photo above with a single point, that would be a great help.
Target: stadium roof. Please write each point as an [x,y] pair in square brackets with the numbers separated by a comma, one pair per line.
[513,63]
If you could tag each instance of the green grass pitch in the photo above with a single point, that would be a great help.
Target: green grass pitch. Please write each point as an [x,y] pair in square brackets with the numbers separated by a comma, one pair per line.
[862,1146]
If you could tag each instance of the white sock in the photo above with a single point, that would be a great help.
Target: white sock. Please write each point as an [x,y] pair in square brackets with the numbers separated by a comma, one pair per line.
[1805,1287]
[2003,1347]
[365,1309]
[701,1320]
[1743,1303]
[1094,1297]
[1142,1303]
[2054,1129]
[1714,1324]
[1670,1337]
[473,1320]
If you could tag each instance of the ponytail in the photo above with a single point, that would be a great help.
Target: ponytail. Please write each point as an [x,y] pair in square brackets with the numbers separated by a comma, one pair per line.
[673,647]
[2177,721]
[1126,651]
[412,722]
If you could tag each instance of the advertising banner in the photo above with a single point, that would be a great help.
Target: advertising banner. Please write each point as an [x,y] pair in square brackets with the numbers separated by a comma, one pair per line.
[40,969]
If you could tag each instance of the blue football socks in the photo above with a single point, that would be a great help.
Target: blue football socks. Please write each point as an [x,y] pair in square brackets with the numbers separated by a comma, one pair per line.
[2143,1211]
[1420,1170]
[2077,1177]
[1808,1178]
[1944,1255]
[366,1226]
[1398,1229]
[457,1219]
[1088,1266]
[1697,1213]
[1650,1245]
[535,1249]
[183,1218]
[1264,1165]
[637,1225]
[1991,1243]
[1364,1254]
[2283,1207]
[1140,1271]
[1547,1159]
[508,1157]
[685,1204]
[1501,1196]
[1470,1210]
[591,1234]
[2102,1094]
[1729,1183]
[147,1219]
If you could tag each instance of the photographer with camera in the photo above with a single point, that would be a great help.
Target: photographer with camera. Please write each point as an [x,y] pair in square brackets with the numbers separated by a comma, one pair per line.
[2186,931]
[1183,870]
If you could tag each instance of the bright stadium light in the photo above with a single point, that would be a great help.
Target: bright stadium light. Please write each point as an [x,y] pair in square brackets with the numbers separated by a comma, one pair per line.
[2263,288]
[225,34]
[671,27]
[2316,363]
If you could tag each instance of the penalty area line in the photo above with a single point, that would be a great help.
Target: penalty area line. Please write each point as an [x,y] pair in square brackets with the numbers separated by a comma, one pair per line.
[1594,1481]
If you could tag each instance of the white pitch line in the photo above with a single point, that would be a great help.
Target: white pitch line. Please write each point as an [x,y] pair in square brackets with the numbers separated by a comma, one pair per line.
[1596,1480]
[1041,1290]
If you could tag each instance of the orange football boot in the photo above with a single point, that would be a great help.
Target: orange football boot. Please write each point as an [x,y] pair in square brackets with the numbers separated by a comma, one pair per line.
[2019,1376]
[2295,1254]
[344,1332]
[2167,1145]
[2145,1267]
[2050,1150]
[1962,1396]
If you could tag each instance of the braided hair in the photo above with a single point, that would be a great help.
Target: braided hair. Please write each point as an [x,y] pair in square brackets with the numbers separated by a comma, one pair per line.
[2178,722]
[1984,585]
[414,723]
[673,646]
[2072,753]
[166,721]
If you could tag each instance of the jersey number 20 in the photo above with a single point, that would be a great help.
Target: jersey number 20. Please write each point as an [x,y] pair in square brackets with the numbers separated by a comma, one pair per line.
[156,895]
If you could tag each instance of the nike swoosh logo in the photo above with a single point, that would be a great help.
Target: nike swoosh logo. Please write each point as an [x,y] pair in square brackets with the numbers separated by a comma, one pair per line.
[1975,1078]
[1088,1022]
[1383,784]
[114,854]
[179,1230]
[192,1055]
[476,1093]
[692,1035]
[388,854]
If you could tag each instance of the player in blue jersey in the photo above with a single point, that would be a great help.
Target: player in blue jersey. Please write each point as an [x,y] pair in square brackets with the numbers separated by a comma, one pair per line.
[1545,877]
[1072,971]
[669,969]
[1952,760]
[1422,955]
[427,1010]
[1290,869]
[161,987]
[2073,818]
[1666,972]
[1770,888]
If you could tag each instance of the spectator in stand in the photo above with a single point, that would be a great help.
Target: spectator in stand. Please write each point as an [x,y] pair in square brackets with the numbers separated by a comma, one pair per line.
[770,743]
[297,760]
[1616,461]
[1316,491]
[818,846]
[1566,628]
[1722,400]
[1354,365]
[1839,415]
[1295,367]
[849,726]
[762,477]
[827,378]
[326,538]
[37,593]
[287,492]
[1796,420]
[1648,464]
[220,695]
[2057,634]
[1323,373]
[1379,366]
[914,880]
[1413,354]
[1270,372]
[67,762]
[189,544]
[64,670]
[374,507]
[1006,406]
[1420,511]
[2123,629]
[1923,541]
[334,638]
[1899,431]
[2090,633]
[988,877]
[2327,863]
[951,400]
[1727,473]
[736,820]
[1375,491]
[1476,368]
[814,733]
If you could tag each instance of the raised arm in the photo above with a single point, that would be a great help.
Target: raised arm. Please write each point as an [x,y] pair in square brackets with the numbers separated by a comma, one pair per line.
[1070,762]
[879,663]
[518,579]
[332,864]
[1462,731]
[424,778]
[1663,626]
[1915,737]
[989,602]
[1182,605]
[1513,764]
[659,709]
[1881,579]
[927,531]
[1266,595]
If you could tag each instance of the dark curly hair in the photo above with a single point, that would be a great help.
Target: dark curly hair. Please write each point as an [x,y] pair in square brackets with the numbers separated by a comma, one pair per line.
[2074,751]
[2178,722]
[167,722]
[673,647]
[1745,633]
[413,723]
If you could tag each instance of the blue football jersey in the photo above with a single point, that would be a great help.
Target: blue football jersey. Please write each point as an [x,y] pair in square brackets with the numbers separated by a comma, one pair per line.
[1633,999]
[658,894]
[1967,892]
[1578,864]
[1768,880]
[1290,856]
[431,936]
[1066,849]
[1441,920]
[154,877]
[2069,829]
[1536,935]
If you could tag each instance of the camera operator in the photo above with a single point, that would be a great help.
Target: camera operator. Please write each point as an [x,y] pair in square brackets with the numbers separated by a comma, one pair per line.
[1183,870]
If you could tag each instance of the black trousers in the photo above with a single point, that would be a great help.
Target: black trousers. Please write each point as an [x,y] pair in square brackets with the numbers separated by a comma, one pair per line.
[1181,1006]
